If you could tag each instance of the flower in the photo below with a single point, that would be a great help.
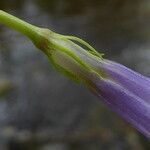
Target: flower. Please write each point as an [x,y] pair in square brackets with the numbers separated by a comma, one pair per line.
[123,90]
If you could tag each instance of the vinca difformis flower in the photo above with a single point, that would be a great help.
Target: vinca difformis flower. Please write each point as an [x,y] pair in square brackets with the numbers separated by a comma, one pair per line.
[123,90]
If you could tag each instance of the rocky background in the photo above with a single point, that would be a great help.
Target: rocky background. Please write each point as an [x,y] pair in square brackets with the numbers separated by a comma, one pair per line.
[42,110]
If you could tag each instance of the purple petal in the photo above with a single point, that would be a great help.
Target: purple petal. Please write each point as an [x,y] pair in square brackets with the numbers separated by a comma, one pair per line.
[129,79]
[134,109]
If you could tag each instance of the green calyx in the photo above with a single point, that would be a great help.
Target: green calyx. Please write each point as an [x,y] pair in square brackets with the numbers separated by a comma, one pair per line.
[53,44]
[84,43]
[87,70]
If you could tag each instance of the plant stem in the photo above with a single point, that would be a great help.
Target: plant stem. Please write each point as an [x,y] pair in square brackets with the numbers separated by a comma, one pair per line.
[25,28]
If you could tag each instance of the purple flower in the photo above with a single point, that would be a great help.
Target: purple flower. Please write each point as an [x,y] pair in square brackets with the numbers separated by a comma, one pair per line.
[123,90]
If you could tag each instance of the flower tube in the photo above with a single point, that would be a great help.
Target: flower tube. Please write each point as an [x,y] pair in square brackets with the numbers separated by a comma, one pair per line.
[123,90]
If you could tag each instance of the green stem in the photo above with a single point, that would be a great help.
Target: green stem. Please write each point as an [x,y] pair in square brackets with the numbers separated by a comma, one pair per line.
[25,28]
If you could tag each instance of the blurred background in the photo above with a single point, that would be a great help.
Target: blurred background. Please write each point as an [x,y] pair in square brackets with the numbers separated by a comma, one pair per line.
[42,110]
